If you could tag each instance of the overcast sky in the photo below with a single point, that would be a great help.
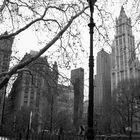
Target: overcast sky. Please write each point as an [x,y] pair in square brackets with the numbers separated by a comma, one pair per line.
[28,40]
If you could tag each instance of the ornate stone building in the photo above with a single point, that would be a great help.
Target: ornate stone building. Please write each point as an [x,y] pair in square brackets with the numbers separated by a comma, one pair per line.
[34,87]
[124,62]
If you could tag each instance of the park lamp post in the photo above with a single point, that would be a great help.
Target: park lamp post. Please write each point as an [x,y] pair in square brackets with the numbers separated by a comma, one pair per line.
[90,120]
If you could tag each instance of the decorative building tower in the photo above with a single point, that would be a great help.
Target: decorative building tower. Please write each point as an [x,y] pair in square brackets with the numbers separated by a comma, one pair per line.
[33,86]
[124,62]
[77,78]
[102,96]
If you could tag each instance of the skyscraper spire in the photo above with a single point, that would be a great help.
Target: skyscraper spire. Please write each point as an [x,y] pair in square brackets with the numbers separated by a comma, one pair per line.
[122,9]
[123,50]
[122,12]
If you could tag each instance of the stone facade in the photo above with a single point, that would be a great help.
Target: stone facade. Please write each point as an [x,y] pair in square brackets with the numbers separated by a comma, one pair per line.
[124,62]
[32,87]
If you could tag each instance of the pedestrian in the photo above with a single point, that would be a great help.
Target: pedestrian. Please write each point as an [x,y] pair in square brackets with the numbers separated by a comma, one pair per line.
[60,134]
[20,136]
[81,130]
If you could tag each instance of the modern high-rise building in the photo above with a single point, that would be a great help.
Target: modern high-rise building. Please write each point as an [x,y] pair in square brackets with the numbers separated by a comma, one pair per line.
[77,79]
[5,54]
[102,94]
[124,62]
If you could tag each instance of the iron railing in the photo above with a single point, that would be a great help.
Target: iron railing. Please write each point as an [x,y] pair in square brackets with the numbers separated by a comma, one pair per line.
[68,137]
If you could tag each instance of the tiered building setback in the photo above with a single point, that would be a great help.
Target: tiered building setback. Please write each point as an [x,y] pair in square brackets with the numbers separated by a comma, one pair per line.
[124,62]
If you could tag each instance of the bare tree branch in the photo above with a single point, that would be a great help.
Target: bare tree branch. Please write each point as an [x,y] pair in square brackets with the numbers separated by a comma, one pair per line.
[3,6]
[22,64]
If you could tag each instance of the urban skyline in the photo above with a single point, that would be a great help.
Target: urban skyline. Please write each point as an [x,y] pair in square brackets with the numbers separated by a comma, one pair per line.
[45,101]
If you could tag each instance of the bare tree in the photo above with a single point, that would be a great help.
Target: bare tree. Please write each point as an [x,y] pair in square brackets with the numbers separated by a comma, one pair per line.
[126,104]
[38,15]
[56,24]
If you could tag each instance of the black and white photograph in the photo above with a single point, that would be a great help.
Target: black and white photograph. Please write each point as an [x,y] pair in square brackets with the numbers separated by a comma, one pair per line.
[69,69]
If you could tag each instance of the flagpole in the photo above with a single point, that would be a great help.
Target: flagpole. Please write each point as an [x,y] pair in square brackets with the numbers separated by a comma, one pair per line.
[29,125]
[30,121]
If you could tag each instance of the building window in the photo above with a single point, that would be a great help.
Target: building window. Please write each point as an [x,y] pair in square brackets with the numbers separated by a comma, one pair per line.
[26,96]
[25,102]
[124,39]
[113,77]
[32,96]
[131,73]
[4,68]
[125,60]
[128,39]
[122,75]
[117,29]
[26,89]
[126,74]
[131,41]
[116,42]
[31,103]
[120,30]
[120,20]
[6,55]
[136,127]
[37,103]
[120,41]
[5,63]
[123,27]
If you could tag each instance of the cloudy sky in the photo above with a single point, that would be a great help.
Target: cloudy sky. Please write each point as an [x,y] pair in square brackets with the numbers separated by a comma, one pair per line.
[28,40]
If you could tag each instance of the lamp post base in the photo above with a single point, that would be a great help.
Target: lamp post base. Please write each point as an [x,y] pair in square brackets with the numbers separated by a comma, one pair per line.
[90,134]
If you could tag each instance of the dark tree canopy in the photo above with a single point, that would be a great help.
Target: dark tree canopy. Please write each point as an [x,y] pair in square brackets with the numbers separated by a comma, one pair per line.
[126,103]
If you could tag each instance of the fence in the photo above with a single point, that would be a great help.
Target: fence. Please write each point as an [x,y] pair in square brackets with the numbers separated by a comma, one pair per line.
[68,137]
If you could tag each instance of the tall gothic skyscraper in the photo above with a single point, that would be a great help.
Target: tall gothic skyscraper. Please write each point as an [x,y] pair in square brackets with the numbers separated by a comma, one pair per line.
[124,62]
